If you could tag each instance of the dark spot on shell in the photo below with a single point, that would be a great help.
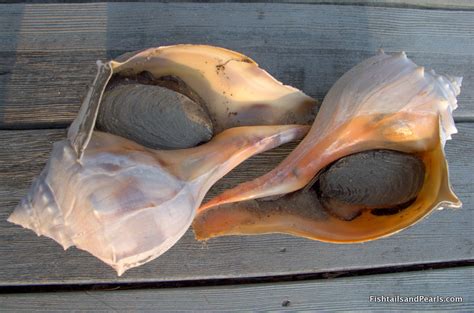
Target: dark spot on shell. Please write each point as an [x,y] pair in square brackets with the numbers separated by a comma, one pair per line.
[109,167]
[220,67]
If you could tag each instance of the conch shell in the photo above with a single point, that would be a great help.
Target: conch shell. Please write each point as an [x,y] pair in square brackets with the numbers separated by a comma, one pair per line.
[127,204]
[385,102]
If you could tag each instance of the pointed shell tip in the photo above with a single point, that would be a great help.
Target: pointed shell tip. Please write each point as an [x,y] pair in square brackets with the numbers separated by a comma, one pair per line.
[421,70]
[402,54]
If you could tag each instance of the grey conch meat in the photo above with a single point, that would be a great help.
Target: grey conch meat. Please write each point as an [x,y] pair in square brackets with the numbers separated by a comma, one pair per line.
[127,204]
[386,102]
[154,116]
[383,181]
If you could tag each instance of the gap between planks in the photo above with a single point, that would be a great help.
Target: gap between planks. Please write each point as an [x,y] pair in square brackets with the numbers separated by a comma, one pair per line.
[235,281]
[353,293]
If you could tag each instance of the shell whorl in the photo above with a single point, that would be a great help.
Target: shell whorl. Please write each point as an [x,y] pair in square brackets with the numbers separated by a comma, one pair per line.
[388,84]
[449,87]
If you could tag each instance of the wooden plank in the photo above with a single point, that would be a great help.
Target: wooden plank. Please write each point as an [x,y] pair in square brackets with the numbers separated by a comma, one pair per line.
[425,4]
[10,20]
[45,79]
[26,259]
[339,294]
[308,46]
[432,4]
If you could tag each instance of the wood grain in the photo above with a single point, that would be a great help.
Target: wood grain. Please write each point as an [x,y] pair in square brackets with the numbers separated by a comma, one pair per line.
[427,4]
[55,46]
[339,294]
[26,259]
[424,4]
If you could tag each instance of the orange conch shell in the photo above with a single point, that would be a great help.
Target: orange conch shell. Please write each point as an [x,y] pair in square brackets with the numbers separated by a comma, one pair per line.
[385,102]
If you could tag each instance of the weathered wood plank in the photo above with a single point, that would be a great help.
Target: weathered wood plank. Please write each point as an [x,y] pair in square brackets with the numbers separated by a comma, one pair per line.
[10,19]
[433,4]
[26,259]
[45,80]
[425,4]
[339,294]
[55,46]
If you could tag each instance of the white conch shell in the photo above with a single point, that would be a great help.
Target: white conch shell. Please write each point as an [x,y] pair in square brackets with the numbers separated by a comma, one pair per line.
[385,102]
[127,204]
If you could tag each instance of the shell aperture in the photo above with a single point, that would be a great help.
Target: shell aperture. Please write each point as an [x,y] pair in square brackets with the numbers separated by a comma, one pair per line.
[236,91]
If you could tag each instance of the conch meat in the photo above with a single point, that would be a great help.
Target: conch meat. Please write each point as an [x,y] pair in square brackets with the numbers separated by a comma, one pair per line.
[127,203]
[385,113]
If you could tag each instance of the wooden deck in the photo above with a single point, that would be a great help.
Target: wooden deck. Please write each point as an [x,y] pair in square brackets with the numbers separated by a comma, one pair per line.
[47,58]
